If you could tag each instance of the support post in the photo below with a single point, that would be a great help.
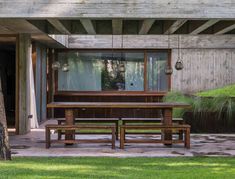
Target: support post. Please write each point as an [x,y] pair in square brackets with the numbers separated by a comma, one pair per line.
[24,51]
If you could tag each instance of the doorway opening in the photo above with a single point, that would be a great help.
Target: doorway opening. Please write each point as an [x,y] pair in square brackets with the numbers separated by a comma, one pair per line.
[8,76]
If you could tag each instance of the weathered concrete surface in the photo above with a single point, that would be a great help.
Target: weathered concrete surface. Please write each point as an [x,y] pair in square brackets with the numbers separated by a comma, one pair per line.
[33,144]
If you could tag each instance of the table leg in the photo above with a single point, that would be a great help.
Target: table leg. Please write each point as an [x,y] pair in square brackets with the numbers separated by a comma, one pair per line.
[69,117]
[167,120]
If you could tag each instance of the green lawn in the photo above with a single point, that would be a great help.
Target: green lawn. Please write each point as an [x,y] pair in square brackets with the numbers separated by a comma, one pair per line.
[226,91]
[133,168]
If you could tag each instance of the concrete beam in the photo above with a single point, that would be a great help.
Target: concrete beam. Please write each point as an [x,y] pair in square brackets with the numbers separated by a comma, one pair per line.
[175,26]
[203,27]
[87,24]
[161,9]
[117,25]
[59,26]
[151,41]
[146,26]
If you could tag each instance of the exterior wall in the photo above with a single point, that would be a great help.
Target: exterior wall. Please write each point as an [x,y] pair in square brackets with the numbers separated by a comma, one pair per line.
[203,69]
[209,60]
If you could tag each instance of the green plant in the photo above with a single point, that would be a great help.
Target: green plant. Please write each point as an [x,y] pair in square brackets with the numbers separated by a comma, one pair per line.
[175,96]
[223,104]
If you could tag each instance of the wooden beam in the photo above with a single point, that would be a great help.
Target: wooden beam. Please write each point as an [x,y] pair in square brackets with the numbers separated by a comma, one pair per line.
[59,26]
[151,41]
[174,26]
[117,25]
[225,30]
[146,26]
[203,27]
[74,9]
[87,24]
[23,56]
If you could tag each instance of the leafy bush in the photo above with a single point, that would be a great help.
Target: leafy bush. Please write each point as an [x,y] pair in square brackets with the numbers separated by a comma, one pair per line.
[223,105]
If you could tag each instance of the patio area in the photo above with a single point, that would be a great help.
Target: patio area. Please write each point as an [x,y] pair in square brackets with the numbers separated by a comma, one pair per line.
[33,144]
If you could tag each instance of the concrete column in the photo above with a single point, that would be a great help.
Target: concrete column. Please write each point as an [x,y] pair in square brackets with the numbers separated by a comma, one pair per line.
[24,50]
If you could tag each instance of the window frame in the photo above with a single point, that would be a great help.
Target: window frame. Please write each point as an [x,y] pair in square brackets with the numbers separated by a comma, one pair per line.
[117,93]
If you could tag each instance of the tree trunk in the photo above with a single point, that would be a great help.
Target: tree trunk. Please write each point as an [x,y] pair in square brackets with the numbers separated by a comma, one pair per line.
[5,153]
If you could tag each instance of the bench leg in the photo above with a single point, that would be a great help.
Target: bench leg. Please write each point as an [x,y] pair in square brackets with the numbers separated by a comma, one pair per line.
[187,138]
[116,124]
[48,138]
[122,137]
[181,134]
[113,137]
[59,132]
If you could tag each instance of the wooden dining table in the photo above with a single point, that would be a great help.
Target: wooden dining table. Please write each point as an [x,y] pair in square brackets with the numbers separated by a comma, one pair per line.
[165,107]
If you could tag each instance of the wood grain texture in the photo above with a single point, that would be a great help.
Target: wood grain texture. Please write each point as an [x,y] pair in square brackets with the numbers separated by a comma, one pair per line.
[204,69]
[151,41]
[172,9]
[128,105]
[24,55]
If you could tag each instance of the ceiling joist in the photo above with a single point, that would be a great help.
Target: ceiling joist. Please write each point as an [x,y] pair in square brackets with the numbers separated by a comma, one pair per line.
[88,26]
[175,26]
[146,26]
[203,27]
[59,26]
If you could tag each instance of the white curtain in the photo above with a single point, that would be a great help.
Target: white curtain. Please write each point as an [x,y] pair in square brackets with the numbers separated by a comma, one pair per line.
[31,98]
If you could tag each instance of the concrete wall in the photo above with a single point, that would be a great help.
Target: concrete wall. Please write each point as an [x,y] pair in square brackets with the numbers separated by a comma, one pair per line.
[203,69]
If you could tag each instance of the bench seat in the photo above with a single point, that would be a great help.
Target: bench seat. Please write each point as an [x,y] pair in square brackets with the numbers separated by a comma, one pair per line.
[89,120]
[64,127]
[180,127]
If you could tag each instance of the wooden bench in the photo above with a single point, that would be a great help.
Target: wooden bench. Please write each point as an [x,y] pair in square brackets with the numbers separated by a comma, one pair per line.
[182,127]
[151,120]
[50,127]
[90,120]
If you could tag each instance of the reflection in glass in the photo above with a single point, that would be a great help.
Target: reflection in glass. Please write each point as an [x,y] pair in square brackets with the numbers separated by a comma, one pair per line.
[157,79]
[104,71]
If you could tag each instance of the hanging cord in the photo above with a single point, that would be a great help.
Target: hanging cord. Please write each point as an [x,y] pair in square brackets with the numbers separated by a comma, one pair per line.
[178,47]
[112,45]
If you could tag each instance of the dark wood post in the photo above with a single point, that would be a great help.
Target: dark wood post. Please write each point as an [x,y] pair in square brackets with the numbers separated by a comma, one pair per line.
[69,117]
[167,120]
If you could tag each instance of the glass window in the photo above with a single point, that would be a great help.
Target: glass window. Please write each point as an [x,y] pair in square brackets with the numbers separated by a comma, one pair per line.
[103,71]
[156,64]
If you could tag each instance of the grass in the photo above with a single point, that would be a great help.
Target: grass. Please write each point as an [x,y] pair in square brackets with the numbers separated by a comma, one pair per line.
[225,91]
[93,167]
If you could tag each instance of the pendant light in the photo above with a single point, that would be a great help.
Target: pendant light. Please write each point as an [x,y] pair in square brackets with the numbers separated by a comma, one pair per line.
[65,67]
[168,69]
[55,65]
[179,63]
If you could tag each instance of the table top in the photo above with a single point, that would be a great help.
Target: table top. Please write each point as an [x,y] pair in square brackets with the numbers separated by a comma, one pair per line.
[136,105]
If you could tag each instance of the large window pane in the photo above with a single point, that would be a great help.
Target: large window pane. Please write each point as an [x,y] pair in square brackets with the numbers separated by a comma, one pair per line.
[84,72]
[157,79]
[104,71]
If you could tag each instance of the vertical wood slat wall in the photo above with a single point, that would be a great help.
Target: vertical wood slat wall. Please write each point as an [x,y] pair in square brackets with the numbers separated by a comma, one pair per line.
[204,69]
